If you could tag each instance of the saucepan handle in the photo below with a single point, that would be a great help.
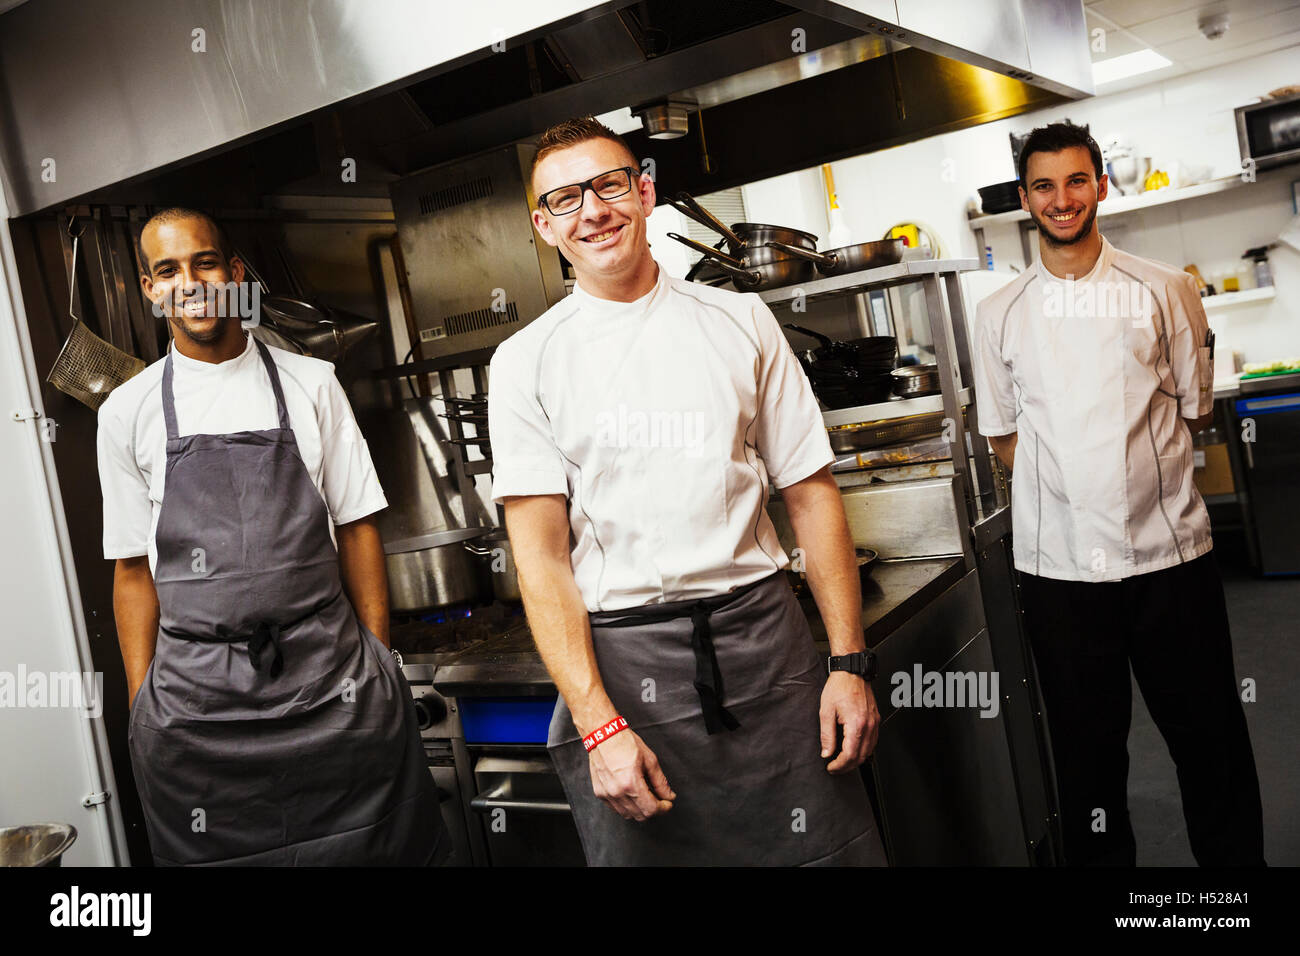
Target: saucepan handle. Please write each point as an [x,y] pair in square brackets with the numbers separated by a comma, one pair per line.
[827,259]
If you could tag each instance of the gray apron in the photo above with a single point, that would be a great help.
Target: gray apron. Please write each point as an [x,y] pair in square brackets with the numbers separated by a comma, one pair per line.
[744,756]
[272,727]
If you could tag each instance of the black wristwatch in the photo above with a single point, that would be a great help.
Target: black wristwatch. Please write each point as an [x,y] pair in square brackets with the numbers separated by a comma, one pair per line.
[862,663]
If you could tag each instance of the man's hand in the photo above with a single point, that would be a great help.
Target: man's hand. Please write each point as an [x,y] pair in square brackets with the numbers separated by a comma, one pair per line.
[625,774]
[847,701]
[1004,446]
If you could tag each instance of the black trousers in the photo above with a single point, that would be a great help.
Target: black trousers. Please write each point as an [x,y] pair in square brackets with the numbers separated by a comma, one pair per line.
[1171,626]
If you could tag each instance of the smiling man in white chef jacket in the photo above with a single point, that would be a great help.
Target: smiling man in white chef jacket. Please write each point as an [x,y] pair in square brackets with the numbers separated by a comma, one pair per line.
[636,427]
[269,723]
[1090,368]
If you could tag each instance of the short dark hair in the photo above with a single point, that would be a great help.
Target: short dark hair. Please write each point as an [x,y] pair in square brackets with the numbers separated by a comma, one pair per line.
[172,214]
[571,132]
[1053,138]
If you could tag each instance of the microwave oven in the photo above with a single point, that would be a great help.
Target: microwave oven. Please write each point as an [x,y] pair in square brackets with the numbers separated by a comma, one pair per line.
[1268,133]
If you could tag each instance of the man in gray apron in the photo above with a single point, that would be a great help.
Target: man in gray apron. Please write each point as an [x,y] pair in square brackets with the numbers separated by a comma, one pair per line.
[635,427]
[272,727]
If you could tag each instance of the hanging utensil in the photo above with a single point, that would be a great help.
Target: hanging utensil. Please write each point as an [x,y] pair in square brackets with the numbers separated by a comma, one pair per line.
[127,279]
[87,367]
[329,334]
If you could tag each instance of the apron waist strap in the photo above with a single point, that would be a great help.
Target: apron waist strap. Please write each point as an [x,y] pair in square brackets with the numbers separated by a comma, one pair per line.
[264,632]
[708,675]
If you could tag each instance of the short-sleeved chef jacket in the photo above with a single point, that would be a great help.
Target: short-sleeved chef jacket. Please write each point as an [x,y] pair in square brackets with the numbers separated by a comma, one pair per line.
[1095,375]
[219,398]
[662,421]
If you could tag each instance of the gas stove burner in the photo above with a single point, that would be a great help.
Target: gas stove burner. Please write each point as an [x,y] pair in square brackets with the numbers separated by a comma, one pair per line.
[444,614]
[452,628]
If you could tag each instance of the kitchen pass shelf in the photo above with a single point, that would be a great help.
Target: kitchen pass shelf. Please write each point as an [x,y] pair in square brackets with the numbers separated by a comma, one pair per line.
[909,270]
[886,411]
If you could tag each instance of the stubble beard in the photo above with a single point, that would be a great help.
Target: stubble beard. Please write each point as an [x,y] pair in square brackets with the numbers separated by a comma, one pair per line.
[1084,231]
[218,330]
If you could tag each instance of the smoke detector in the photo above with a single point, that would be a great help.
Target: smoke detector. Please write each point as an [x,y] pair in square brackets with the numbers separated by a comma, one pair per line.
[1213,26]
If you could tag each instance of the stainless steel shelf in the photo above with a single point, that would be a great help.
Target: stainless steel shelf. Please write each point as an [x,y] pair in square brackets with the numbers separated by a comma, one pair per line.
[853,282]
[894,408]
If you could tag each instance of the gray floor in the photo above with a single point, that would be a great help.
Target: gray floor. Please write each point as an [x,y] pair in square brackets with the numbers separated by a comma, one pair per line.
[1264,613]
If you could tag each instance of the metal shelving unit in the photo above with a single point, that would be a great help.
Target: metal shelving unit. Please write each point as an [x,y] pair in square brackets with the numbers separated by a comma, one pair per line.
[978,492]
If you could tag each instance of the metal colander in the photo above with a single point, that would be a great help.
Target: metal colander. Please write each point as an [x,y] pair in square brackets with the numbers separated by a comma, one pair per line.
[89,368]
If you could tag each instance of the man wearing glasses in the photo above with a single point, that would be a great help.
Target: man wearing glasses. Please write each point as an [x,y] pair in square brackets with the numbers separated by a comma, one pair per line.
[635,428]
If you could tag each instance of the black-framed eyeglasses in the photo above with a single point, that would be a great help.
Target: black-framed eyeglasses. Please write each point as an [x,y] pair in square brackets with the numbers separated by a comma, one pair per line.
[608,185]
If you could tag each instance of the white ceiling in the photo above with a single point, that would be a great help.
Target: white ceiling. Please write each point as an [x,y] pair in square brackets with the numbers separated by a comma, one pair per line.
[1171,28]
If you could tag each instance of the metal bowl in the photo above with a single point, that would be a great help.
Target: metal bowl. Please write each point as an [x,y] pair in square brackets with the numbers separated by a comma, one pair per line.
[867,559]
[913,381]
[36,844]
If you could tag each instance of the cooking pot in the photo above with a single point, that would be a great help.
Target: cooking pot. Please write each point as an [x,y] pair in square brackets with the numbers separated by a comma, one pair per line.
[435,570]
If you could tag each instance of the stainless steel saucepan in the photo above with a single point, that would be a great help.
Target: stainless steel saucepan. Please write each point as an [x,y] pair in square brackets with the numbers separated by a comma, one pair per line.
[755,269]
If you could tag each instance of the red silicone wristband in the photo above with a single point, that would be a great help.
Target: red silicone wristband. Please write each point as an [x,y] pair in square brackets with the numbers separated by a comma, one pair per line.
[604,733]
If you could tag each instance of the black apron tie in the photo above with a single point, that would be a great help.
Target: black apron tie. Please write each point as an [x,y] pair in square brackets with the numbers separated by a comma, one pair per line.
[264,632]
[708,676]
[267,632]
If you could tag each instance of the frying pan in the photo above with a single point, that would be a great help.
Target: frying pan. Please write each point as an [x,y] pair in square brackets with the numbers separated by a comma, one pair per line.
[742,235]
[870,352]
[854,258]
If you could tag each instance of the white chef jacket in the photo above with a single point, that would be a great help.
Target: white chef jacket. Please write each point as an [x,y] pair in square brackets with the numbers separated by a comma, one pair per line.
[662,420]
[219,398]
[1095,375]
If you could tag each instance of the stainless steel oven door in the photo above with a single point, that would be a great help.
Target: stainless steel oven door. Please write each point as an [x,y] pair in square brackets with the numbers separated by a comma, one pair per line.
[524,813]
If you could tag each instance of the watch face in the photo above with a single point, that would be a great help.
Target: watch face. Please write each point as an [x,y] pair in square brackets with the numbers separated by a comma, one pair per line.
[397,655]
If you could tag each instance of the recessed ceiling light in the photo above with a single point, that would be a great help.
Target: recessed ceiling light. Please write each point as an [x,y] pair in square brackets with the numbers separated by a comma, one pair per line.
[1130,64]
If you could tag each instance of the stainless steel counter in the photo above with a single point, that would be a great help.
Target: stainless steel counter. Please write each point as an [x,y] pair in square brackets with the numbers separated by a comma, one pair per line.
[895,592]
[493,652]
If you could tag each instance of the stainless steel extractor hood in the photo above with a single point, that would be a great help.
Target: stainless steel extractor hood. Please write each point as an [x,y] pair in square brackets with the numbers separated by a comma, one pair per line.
[241,70]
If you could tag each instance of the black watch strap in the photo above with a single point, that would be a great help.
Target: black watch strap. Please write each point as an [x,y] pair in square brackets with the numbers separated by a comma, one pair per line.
[862,663]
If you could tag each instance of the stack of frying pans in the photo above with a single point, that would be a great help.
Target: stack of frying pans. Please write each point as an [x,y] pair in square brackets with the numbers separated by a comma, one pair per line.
[847,374]
[761,256]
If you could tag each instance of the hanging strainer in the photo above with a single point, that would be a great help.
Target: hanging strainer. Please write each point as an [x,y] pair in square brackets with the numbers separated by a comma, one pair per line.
[88,368]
